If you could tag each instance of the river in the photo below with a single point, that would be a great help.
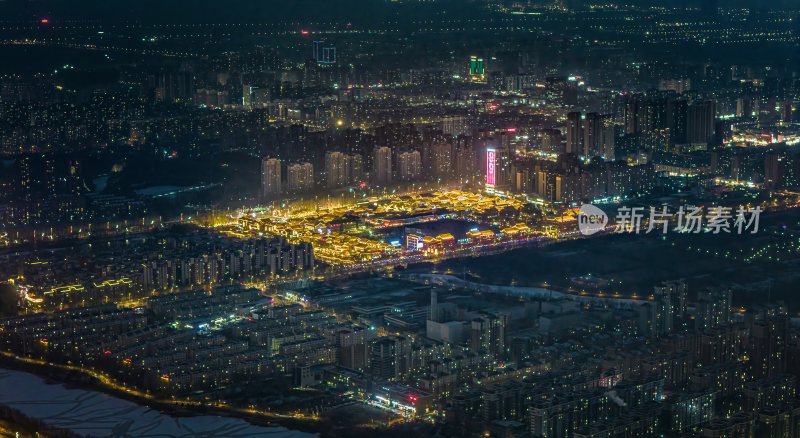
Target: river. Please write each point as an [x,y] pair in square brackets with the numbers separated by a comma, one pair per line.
[92,413]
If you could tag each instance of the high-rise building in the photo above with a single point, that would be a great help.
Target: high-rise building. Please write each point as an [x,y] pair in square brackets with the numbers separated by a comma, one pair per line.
[561,90]
[382,165]
[676,294]
[441,160]
[592,135]
[389,357]
[700,122]
[409,166]
[335,173]
[247,96]
[488,333]
[491,167]
[713,309]
[300,177]
[355,168]
[434,310]
[343,169]
[770,336]
[477,69]
[773,170]
[787,111]
[677,111]
[574,133]
[454,125]
[271,176]
[608,137]
[352,347]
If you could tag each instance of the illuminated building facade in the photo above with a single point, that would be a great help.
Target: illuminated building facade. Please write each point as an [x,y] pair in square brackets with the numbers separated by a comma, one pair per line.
[491,160]
[477,69]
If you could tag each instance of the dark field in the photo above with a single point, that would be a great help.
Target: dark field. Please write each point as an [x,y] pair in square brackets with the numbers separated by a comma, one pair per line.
[754,266]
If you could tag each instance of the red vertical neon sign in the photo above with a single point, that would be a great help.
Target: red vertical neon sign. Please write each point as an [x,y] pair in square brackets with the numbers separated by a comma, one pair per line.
[491,156]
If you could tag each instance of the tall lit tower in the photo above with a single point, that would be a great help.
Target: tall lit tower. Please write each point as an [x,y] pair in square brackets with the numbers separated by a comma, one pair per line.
[477,69]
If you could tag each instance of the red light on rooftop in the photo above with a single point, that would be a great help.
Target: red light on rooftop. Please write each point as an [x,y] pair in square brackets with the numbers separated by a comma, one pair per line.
[304,32]
[44,20]
[511,130]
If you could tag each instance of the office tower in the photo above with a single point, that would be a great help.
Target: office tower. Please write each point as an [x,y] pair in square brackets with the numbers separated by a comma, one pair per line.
[382,165]
[477,69]
[247,96]
[409,166]
[700,122]
[493,162]
[323,53]
[300,177]
[592,135]
[270,176]
[434,311]
[574,133]
[774,169]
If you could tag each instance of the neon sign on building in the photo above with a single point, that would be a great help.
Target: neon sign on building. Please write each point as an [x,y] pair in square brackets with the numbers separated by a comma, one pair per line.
[491,158]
